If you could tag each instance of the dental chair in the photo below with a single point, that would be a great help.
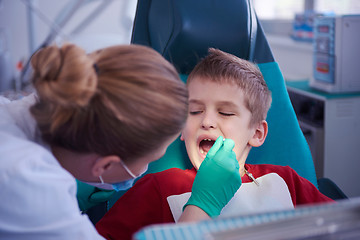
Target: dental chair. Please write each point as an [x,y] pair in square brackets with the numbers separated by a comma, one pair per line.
[183,30]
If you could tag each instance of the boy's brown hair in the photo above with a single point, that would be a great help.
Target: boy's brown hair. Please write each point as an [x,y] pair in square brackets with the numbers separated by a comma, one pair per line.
[225,68]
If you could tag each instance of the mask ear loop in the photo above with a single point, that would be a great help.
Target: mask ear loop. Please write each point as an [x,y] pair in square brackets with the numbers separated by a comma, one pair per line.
[128,170]
[102,181]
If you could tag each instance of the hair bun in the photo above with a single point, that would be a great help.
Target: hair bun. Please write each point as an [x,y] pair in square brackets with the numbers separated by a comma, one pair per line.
[64,75]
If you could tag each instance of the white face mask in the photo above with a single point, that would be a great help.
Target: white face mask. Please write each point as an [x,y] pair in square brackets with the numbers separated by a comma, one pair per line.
[119,186]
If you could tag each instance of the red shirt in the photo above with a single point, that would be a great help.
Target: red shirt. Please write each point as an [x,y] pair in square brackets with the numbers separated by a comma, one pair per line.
[146,202]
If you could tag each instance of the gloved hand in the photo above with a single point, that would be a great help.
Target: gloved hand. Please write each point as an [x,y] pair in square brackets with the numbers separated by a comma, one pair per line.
[89,196]
[217,179]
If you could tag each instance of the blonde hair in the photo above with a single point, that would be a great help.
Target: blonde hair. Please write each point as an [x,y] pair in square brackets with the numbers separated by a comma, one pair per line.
[222,67]
[122,100]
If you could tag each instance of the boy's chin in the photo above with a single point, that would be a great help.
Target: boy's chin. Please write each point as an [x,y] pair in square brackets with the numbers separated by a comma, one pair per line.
[197,163]
[197,167]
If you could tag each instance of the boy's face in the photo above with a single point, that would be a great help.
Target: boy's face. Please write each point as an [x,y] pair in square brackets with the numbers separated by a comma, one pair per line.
[216,110]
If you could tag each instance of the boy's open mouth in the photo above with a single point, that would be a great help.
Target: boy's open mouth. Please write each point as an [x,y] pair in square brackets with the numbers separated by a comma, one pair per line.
[205,145]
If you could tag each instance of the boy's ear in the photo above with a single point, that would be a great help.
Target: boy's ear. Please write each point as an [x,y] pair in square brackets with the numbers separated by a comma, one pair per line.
[103,164]
[260,134]
[181,137]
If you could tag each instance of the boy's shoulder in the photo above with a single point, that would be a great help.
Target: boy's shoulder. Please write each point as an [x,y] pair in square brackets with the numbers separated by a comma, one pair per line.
[259,170]
[168,182]
[171,171]
[172,175]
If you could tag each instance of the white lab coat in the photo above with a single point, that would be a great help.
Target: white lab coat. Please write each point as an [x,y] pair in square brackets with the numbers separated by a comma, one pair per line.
[37,196]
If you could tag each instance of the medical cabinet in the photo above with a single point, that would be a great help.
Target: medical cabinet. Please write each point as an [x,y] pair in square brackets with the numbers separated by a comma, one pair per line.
[336,54]
[331,125]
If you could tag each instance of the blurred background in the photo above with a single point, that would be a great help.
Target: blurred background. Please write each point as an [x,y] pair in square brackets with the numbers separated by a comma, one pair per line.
[26,24]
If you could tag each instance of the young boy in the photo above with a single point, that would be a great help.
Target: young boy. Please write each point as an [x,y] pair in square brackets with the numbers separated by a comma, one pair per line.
[228,98]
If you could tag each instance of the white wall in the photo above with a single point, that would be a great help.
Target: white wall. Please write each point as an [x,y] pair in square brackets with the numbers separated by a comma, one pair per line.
[295,58]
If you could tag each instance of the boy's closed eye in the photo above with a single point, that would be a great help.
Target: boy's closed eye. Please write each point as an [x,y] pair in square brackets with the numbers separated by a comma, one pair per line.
[195,112]
[227,114]
[195,107]
[227,109]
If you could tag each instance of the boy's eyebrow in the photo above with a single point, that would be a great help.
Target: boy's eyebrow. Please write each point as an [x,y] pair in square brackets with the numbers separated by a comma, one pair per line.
[195,101]
[220,103]
[227,104]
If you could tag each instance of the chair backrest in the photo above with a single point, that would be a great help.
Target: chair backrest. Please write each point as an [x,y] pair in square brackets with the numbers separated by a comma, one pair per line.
[183,30]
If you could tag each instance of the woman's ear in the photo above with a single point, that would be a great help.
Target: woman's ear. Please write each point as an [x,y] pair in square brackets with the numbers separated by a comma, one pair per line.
[181,137]
[260,134]
[103,164]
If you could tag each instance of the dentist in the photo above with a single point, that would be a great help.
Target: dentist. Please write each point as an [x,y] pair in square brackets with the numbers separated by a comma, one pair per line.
[99,118]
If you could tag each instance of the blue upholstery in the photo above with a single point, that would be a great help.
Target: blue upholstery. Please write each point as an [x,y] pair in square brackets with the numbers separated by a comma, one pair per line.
[183,30]
[285,143]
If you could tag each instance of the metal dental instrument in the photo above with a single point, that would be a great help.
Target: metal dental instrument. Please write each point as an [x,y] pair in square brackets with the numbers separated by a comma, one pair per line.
[252,178]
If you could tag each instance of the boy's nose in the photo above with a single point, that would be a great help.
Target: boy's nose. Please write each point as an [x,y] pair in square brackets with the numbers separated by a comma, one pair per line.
[208,121]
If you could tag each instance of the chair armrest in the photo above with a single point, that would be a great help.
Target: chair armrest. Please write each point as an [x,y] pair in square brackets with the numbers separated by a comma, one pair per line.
[330,189]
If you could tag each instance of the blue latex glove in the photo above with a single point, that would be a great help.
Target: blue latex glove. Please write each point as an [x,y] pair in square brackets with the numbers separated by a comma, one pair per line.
[89,196]
[217,179]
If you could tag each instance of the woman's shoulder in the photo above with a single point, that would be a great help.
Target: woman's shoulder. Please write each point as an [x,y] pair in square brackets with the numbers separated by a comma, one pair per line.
[17,120]
[32,180]
[26,162]
[16,149]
